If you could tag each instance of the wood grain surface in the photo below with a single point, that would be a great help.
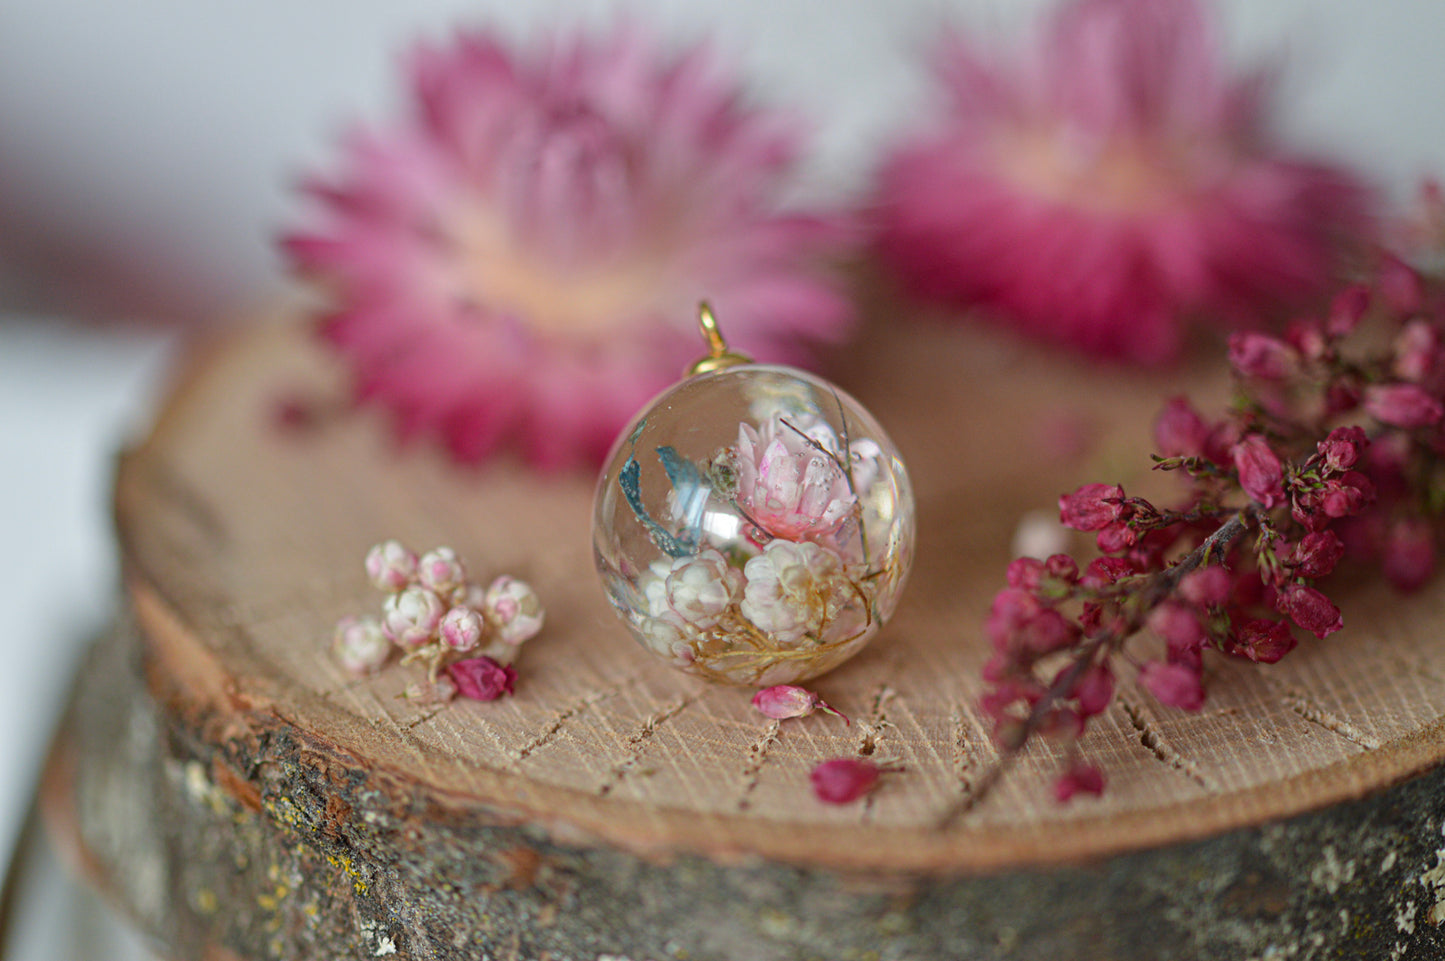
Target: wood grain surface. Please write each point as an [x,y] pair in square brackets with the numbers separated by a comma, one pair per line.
[243,543]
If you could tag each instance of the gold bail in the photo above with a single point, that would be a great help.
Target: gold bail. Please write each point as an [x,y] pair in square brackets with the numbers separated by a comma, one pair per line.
[718,355]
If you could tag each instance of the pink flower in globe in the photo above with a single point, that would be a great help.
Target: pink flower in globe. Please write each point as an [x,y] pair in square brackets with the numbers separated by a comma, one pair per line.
[516,264]
[1101,186]
[788,485]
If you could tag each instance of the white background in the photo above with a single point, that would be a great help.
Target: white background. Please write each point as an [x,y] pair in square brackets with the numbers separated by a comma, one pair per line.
[148,151]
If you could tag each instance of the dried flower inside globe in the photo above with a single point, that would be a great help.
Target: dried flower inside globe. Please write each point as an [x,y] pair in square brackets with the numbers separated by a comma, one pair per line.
[754,524]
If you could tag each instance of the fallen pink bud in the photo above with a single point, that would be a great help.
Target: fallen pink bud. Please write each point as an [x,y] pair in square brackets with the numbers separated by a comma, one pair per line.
[783,701]
[843,779]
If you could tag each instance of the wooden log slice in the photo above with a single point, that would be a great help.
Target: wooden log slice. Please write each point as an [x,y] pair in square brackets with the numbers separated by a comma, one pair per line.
[245,799]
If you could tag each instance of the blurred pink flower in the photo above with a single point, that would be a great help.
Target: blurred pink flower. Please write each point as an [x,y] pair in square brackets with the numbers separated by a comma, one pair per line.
[519,264]
[1110,183]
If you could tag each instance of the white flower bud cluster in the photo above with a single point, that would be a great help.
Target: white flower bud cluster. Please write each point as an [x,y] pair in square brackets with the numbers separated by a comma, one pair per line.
[433,613]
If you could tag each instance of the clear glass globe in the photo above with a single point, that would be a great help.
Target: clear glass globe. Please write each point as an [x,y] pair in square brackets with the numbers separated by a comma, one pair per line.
[754,525]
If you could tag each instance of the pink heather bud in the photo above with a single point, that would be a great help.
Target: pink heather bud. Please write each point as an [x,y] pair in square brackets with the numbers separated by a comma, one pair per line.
[1317,553]
[1208,586]
[843,779]
[513,610]
[1173,684]
[1177,624]
[1095,690]
[1310,609]
[1307,339]
[1342,448]
[1011,610]
[1259,355]
[1409,555]
[481,678]
[782,701]
[1417,351]
[1080,778]
[1116,538]
[1103,571]
[1348,495]
[1260,473]
[1092,507]
[390,566]
[1024,573]
[1347,310]
[1402,405]
[1341,397]
[441,570]
[412,617]
[1400,285]
[462,629]
[1046,632]
[1179,431]
[1062,567]
[1264,641]
[359,645]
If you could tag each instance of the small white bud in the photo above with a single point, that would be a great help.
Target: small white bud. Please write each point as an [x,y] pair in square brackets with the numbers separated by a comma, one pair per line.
[462,629]
[411,617]
[390,566]
[441,571]
[359,645]
[513,610]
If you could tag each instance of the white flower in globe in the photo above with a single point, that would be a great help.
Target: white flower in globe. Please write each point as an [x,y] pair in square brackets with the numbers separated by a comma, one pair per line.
[795,590]
[700,589]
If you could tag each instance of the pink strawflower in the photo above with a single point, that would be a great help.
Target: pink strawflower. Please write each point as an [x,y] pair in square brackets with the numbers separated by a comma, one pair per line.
[519,262]
[843,779]
[788,485]
[481,678]
[1109,182]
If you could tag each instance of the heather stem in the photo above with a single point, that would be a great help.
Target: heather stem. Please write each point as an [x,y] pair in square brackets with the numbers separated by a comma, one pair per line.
[1211,550]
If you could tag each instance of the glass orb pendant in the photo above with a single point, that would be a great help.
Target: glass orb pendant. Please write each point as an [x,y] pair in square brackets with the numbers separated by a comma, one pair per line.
[753,525]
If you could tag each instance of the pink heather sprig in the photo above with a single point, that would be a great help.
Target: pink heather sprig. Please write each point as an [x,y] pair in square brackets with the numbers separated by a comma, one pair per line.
[465,635]
[1330,452]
